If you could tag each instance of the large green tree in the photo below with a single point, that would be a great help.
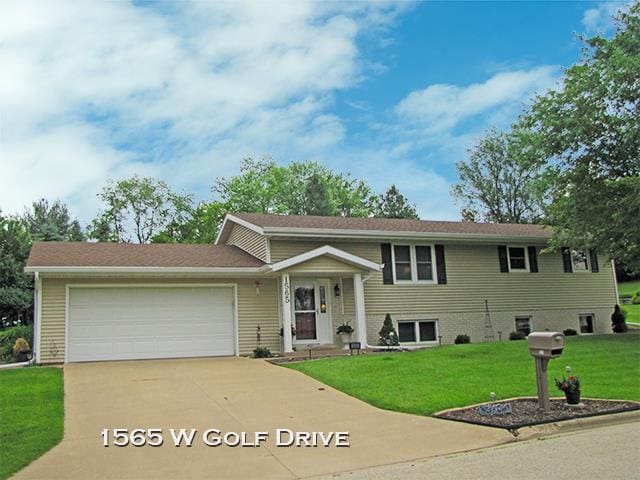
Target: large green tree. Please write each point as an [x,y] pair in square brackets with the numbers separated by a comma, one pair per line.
[590,129]
[393,204]
[51,222]
[300,188]
[500,181]
[137,209]
[16,288]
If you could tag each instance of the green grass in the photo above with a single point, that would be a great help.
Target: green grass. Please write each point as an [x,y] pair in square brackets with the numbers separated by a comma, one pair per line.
[628,288]
[631,311]
[429,380]
[31,415]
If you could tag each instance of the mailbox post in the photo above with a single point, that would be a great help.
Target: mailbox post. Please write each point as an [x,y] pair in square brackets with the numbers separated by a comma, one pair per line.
[544,346]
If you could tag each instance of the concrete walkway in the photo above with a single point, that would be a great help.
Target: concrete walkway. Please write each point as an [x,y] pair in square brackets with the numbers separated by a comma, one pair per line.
[231,394]
[611,452]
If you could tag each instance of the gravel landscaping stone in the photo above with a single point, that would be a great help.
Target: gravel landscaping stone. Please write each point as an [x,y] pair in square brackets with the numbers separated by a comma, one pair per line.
[525,412]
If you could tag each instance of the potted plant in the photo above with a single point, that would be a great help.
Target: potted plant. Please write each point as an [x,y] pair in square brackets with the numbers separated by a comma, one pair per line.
[570,386]
[345,330]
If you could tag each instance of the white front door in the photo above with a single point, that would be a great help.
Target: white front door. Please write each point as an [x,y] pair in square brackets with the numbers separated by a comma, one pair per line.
[311,311]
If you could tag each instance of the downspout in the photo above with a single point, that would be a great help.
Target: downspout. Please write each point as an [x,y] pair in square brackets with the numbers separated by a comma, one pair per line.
[615,281]
[36,319]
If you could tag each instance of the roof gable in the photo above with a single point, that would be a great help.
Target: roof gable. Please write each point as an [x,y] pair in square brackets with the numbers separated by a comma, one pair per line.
[330,252]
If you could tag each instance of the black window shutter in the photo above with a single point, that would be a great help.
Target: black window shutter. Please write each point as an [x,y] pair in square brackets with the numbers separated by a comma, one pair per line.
[566,260]
[504,261]
[387,272]
[533,259]
[593,256]
[441,269]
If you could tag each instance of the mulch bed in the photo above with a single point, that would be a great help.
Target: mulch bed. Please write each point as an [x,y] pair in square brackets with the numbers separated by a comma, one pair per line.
[525,412]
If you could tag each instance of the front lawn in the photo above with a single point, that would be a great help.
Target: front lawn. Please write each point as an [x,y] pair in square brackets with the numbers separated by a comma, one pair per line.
[627,289]
[429,380]
[31,415]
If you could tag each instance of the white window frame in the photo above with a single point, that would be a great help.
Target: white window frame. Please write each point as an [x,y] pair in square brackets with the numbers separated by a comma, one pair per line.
[593,323]
[414,264]
[528,317]
[526,268]
[587,261]
[416,330]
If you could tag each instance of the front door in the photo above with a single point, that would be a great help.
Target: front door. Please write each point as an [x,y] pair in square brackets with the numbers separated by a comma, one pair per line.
[311,311]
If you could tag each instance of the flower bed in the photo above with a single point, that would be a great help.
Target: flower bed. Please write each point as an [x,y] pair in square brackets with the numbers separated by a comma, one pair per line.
[525,412]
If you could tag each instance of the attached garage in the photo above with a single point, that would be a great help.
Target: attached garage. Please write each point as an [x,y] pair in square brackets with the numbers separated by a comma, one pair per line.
[143,322]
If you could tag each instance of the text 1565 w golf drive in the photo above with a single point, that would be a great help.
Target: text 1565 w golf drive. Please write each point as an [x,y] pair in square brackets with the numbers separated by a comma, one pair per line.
[213,437]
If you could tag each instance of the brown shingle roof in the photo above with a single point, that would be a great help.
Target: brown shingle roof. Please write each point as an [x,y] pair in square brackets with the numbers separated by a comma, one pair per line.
[79,254]
[394,225]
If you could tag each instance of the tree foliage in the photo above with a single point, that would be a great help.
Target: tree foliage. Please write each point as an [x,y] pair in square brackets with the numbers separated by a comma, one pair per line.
[138,209]
[300,188]
[590,129]
[500,181]
[393,204]
[16,290]
[51,222]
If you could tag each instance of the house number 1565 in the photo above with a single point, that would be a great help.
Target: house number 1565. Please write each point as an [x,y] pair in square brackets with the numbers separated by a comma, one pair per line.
[139,437]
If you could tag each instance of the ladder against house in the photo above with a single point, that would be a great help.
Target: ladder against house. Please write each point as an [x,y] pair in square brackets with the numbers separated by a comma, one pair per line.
[488,328]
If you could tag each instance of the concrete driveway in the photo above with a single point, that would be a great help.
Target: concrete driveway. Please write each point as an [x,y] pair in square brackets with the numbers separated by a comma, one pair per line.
[232,394]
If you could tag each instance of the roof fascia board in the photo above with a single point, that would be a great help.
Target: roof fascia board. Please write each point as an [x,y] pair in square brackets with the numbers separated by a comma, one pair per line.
[329,251]
[385,234]
[228,217]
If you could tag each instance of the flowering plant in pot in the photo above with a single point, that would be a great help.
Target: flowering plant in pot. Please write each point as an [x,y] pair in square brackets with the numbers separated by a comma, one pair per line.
[345,330]
[570,386]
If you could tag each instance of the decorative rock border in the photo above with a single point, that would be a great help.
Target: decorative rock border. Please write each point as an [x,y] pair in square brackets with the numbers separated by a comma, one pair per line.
[525,412]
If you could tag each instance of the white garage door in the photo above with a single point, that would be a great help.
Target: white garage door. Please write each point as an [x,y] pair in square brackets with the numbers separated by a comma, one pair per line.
[150,322]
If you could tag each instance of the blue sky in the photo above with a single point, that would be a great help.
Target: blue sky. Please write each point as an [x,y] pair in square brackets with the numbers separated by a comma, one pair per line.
[391,92]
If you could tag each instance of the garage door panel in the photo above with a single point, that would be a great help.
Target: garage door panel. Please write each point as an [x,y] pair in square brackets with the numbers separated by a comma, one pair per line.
[150,322]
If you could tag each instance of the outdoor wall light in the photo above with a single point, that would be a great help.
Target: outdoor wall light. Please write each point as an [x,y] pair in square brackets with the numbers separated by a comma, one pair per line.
[336,290]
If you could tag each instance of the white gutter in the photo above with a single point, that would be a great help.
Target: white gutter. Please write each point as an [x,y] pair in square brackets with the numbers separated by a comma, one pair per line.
[91,269]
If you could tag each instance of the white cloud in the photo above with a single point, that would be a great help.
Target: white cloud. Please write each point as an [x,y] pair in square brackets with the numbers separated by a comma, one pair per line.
[600,18]
[91,90]
[439,108]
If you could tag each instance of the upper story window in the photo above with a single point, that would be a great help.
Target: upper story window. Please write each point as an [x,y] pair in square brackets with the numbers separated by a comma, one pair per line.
[413,263]
[402,262]
[579,261]
[518,261]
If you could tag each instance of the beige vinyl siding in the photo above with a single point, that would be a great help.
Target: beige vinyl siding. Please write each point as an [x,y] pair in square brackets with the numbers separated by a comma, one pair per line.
[473,275]
[249,241]
[323,265]
[253,309]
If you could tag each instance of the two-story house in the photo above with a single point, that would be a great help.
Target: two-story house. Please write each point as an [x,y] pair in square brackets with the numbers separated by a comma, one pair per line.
[288,281]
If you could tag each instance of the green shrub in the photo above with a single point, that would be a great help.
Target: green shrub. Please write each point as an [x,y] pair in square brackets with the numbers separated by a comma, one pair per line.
[21,350]
[618,320]
[262,352]
[462,339]
[8,338]
[569,332]
[635,298]
[387,334]
[517,336]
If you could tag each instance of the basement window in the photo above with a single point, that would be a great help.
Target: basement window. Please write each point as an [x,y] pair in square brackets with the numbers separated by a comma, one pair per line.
[417,331]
